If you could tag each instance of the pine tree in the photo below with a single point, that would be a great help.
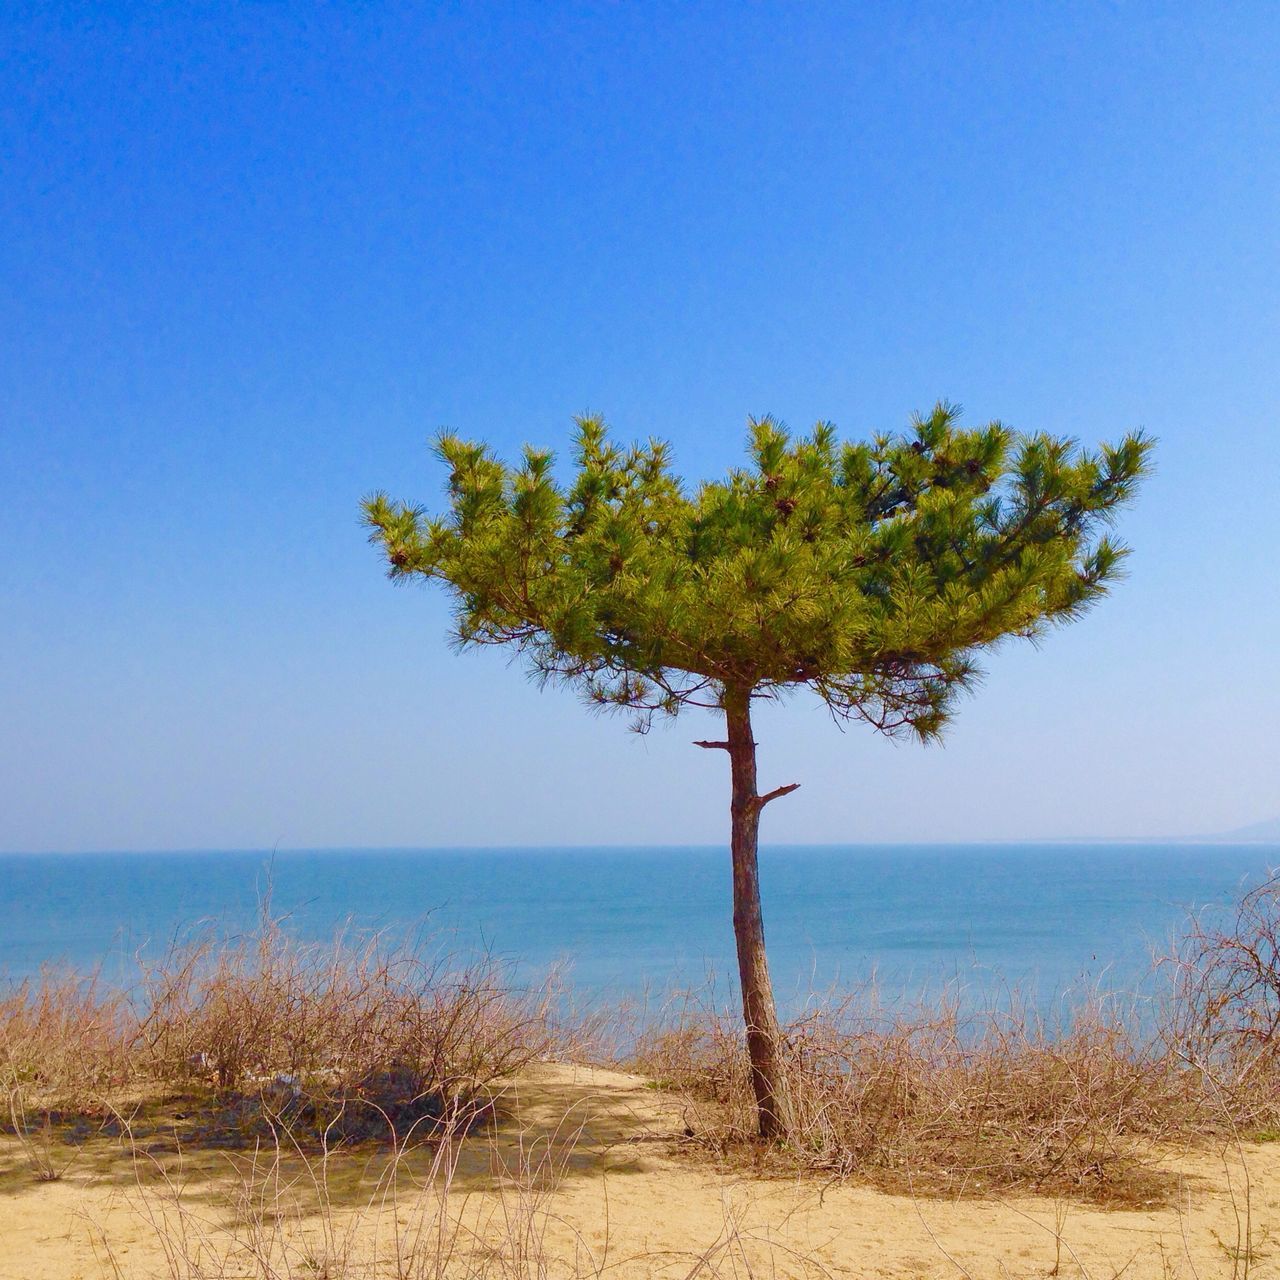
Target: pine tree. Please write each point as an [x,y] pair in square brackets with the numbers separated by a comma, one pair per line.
[871,574]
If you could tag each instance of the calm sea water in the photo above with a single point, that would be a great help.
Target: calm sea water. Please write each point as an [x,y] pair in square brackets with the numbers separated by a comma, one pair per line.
[1048,917]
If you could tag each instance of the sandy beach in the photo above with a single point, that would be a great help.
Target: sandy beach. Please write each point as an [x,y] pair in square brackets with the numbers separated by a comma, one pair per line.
[607,1188]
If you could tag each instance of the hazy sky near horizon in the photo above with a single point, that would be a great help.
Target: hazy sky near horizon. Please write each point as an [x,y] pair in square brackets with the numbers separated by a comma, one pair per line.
[253,256]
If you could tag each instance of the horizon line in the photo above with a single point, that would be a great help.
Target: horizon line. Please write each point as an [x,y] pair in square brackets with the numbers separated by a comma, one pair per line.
[1226,840]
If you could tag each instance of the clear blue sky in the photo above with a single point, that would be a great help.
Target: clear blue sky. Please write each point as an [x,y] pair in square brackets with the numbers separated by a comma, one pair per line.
[253,256]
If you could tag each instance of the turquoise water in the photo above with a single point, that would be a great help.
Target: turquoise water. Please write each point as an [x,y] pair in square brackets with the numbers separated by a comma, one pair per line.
[1048,917]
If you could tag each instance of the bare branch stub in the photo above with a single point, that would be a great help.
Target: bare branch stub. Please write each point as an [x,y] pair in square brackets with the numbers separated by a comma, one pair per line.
[711,746]
[776,794]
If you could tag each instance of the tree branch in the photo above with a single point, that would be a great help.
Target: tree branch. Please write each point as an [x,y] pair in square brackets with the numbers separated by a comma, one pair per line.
[763,800]
[723,746]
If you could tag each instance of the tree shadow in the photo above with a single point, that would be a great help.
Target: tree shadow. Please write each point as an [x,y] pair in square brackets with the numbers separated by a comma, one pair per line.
[553,1122]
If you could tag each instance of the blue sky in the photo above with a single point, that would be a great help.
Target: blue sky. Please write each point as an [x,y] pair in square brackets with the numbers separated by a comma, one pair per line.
[253,256]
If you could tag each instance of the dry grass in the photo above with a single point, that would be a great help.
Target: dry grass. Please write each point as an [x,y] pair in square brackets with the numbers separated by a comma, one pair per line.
[279,1216]
[64,1045]
[64,1035]
[286,1213]
[343,1041]
[342,1036]
[504,1206]
[942,1101]
[937,1099]
[1224,1018]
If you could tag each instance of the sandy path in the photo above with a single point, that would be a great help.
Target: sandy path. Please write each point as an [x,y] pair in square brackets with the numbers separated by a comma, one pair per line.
[610,1191]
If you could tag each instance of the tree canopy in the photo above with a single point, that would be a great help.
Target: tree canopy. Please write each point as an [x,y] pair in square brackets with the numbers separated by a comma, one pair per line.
[871,573]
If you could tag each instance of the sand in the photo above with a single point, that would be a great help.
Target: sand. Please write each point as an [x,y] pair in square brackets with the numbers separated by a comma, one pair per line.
[612,1193]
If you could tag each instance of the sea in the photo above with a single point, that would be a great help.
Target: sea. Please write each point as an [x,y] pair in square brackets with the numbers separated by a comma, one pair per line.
[638,925]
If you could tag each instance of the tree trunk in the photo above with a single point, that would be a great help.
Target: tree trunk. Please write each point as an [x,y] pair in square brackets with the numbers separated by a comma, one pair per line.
[764,1036]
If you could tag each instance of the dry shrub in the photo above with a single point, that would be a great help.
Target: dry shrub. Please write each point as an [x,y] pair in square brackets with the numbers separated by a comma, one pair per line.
[346,1038]
[352,1039]
[942,1100]
[1224,1018]
[64,1039]
[945,1101]
[64,1049]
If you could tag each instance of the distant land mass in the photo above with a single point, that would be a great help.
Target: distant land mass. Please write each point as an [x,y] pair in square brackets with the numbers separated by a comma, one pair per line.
[1268,831]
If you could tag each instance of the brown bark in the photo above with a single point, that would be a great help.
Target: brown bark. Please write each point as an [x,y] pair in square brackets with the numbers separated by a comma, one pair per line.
[764,1036]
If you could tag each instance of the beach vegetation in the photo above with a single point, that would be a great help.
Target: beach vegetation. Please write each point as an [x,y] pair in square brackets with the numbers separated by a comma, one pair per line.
[1226,972]
[223,1039]
[242,1043]
[947,1098]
